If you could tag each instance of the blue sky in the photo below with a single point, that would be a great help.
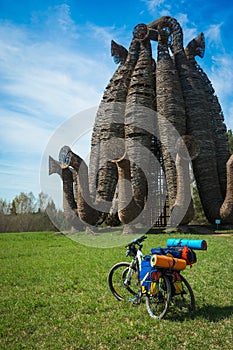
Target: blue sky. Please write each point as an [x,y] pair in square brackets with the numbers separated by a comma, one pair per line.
[55,62]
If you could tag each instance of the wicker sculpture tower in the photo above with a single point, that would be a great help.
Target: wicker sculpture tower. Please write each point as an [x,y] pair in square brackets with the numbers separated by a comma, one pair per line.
[176,95]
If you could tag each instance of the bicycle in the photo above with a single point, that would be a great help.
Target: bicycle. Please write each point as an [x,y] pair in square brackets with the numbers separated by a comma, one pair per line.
[162,287]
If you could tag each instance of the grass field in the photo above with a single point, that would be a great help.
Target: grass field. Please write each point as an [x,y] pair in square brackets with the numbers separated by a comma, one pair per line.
[54,295]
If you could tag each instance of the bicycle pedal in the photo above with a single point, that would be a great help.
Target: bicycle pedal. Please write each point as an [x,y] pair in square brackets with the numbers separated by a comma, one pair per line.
[132,299]
[136,301]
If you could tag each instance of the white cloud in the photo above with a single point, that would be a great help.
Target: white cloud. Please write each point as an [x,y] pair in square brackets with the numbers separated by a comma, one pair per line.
[43,83]
[64,19]
[44,80]
[22,133]
[183,19]
[55,24]
[221,76]
[103,34]
[213,35]
[153,4]
[54,80]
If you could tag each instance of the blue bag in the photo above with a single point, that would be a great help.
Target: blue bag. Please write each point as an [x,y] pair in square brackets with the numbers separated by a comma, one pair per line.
[145,268]
[183,252]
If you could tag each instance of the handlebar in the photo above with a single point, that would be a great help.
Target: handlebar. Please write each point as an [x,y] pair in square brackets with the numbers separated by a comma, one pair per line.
[132,250]
[137,240]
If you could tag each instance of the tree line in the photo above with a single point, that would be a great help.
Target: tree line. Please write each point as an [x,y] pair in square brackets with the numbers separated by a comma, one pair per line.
[26,213]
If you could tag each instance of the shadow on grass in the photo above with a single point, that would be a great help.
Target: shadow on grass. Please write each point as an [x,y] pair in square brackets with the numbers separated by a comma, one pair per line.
[211,313]
[214,313]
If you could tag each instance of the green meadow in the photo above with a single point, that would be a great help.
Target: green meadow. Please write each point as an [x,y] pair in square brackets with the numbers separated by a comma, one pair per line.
[54,295]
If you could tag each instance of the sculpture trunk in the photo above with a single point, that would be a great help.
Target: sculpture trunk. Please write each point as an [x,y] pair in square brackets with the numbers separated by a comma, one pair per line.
[86,209]
[194,48]
[109,127]
[128,208]
[182,211]
[171,111]
[69,203]
[140,117]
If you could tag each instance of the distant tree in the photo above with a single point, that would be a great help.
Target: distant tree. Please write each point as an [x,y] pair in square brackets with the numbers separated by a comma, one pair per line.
[13,209]
[51,207]
[4,207]
[43,200]
[23,203]
[230,140]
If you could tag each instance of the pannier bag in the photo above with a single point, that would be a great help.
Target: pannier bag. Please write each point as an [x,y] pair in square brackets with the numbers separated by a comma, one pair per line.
[177,252]
[144,278]
[149,277]
[176,284]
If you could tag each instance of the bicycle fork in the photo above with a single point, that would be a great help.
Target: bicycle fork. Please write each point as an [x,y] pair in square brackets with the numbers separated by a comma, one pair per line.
[137,298]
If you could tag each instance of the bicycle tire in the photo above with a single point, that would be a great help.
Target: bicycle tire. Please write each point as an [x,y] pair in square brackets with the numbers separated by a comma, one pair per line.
[116,281]
[185,301]
[157,304]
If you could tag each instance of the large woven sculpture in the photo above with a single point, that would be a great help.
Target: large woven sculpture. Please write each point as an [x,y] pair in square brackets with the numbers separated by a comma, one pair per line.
[143,102]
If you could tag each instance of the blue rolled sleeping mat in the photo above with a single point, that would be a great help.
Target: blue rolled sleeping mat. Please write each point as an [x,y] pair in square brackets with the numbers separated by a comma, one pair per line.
[198,244]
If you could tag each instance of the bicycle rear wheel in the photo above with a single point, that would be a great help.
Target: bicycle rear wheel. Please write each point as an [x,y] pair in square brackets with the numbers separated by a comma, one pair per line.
[157,303]
[123,281]
[185,300]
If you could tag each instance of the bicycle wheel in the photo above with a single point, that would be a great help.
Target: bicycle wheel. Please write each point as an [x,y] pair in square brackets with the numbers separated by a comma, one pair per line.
[184,301]
[122,281]
[157,303]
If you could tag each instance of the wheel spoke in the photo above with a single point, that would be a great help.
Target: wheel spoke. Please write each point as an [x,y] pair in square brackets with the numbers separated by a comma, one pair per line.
[121,285]
[183,301]
[158,301]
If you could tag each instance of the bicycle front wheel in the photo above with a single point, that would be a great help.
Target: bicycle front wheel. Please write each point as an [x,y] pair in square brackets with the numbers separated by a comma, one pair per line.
[123,281]
[158,301]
